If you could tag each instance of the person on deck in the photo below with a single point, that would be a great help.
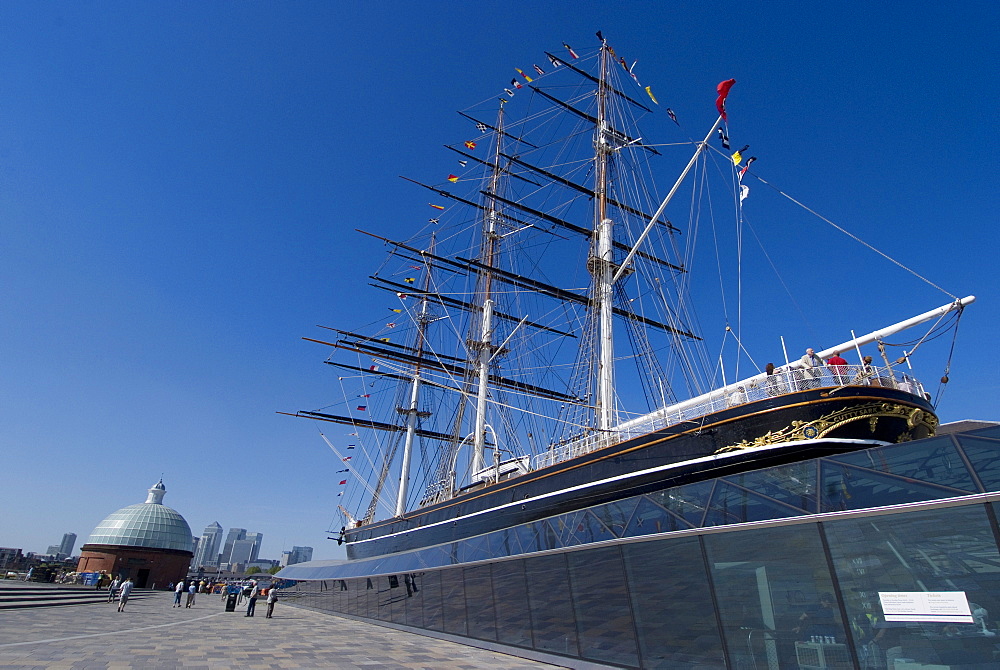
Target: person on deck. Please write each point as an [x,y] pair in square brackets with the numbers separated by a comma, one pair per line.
[812,369]
[838,366]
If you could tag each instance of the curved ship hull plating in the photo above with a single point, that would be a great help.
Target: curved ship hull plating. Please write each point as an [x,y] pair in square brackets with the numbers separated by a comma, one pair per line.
[714,445]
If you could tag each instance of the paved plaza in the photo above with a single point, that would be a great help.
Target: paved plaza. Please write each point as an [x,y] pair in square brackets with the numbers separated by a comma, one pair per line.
[152,634]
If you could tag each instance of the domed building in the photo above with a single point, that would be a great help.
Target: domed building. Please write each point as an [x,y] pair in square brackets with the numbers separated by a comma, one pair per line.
[149,542]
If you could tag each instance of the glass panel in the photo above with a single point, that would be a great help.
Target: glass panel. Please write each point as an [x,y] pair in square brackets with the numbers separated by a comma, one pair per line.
[793,485]
[615,515]
[548,533]
[687,502]
[343,597]
[985,458]
[371,597]
[600,600]
[527,536]
[453,601]
[504,543]
[775,596]
[650,518]
[731,504]
[473,549]
[935,550]
[432,601]
[479,602]
[551,604]
[384,596]
[933,461]
[565,525]
[513,616]
[858,485]
[398,597]
[355,590]
[414,584]
[671,601]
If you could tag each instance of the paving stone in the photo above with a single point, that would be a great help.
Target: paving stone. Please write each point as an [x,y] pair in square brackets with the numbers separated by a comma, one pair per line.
[151,635]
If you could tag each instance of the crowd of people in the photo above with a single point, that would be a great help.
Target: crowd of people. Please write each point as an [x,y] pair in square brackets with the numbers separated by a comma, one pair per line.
[119,591]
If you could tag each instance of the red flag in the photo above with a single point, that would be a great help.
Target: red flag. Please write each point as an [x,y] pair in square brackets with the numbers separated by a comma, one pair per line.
[362,408]
[469,144]
[436,206]
[723,90]
[342,482]
[453,178]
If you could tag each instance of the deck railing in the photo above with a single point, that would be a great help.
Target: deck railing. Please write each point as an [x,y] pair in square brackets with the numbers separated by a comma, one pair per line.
[750,390]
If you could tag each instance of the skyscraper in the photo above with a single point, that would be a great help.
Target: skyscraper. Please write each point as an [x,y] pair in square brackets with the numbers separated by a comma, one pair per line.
[240,555]
[66,546]
[257,538]
[234,535]
[298,555]
[208,548]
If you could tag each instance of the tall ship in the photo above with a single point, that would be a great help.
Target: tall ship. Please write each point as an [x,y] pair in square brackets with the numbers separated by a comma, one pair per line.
[539,352]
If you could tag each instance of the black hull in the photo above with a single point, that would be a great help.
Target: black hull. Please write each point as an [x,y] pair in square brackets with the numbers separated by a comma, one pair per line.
[638,465]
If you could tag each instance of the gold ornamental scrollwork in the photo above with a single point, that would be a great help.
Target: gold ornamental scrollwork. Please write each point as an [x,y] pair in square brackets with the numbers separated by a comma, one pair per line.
[824,425]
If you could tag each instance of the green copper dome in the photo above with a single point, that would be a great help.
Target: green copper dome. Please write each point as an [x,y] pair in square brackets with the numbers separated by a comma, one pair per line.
[151,524]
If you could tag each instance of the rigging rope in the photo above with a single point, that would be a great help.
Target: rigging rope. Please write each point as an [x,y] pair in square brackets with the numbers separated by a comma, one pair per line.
[943,384]
[856,238]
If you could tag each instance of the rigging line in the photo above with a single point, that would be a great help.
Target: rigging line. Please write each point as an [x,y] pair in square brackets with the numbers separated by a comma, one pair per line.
[366,453]
[364,483]
[927,335]
[856,238]
[943,384]
[743,349]
[777,274]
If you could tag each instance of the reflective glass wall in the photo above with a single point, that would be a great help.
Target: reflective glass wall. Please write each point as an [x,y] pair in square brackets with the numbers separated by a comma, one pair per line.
[731,573]
[791,595]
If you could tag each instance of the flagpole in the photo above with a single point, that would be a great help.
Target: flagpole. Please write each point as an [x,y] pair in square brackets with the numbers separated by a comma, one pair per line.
[666,201]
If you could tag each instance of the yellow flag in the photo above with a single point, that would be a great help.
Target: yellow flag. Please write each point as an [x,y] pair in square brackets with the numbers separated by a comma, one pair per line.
[737,158]
[651,96]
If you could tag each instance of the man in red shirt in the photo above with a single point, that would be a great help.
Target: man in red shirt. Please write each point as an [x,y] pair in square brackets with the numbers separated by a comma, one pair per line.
[838,366]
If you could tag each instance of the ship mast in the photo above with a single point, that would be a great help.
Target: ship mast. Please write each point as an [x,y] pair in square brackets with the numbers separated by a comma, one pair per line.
[601,263]
[483,346]
[412,412]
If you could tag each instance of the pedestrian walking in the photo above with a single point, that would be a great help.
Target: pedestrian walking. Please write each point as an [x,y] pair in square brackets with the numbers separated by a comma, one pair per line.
[115,583]
[254,592]
[192,589]
[272,597]
[178,590]
[126,591]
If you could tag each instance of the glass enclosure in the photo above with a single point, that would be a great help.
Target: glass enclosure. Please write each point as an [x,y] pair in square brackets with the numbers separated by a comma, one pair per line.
[679,578]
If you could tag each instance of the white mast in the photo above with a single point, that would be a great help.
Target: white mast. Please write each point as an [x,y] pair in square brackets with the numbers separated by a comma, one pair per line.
[484,345]
[411,431]
[413,411]
[602,262]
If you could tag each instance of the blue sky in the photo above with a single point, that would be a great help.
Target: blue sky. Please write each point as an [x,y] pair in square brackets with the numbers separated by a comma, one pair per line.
[179,187]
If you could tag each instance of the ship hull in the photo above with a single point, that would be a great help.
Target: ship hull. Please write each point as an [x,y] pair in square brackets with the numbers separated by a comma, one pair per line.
[716,444]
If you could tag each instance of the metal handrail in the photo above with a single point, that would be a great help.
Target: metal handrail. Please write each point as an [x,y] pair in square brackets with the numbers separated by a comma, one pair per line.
[750,390]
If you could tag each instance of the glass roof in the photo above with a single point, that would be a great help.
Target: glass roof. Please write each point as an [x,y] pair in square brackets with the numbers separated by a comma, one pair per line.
[150,525]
